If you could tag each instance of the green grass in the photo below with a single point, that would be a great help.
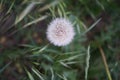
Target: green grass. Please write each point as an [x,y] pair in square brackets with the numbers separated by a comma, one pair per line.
[26,54]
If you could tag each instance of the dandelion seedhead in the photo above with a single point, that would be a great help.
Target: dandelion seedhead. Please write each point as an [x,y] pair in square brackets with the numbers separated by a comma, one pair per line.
[60,32]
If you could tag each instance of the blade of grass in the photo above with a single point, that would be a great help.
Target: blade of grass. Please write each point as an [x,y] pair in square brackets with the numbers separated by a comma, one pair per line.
[52,11]
[49,5]
[72,62]
[1,4]
[90,12]
[35,21]
[11,6]
[105,63]
[100,4]
[87,63]
[72,57]
[37,73]
[65,65]
[92,26]
[2,69]
[62,77]
[59,12]
[69,53]
[25,12]
[29,75]
[52,72]
[42,49]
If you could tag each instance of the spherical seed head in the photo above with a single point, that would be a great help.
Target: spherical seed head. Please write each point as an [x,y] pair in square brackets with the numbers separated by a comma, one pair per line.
[60,32]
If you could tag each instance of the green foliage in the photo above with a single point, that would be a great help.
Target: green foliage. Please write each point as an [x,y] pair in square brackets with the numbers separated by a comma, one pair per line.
[25,53]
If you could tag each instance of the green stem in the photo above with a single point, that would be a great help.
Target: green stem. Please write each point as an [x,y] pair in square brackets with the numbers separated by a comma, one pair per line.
[105,63]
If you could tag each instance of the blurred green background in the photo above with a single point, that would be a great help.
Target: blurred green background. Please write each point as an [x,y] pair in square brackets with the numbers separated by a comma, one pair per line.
[26,54]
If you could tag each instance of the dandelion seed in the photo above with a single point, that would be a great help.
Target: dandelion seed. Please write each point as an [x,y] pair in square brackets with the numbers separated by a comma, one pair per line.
[60,32]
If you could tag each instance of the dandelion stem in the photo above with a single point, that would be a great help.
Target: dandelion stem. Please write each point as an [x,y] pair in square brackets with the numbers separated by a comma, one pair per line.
[105,63]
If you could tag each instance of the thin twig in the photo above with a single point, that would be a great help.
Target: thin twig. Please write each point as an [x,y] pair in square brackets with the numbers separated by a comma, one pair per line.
[105,63]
